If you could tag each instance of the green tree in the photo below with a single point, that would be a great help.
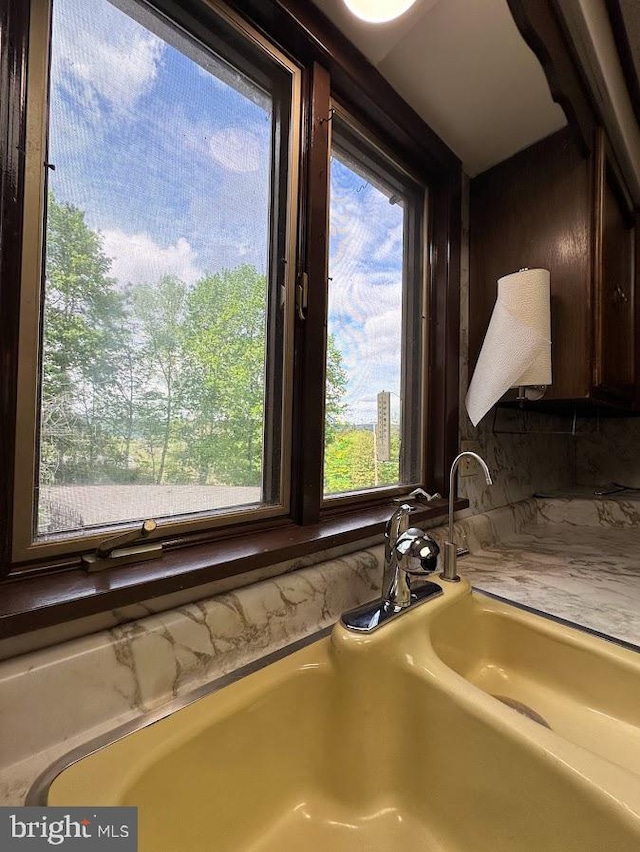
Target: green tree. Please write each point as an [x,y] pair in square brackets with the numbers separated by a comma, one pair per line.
[349,461]
[224,341]
[83,331]
[157,318]
[335,391]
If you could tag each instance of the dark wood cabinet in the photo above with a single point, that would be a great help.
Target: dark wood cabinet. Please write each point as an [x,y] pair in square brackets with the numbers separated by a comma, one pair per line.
[614,298]
[551,206]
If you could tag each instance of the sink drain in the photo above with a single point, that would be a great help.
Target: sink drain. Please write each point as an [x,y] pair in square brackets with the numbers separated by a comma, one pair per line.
[524,709]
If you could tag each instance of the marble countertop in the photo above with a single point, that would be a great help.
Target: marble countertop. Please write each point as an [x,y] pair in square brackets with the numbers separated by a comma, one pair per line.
[575,559]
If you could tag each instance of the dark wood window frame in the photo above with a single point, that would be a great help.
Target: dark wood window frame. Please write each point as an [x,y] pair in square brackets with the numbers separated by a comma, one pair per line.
[42,594]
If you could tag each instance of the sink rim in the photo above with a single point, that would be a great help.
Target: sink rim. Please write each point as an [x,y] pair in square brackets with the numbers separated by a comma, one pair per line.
[38,793]
[557,619]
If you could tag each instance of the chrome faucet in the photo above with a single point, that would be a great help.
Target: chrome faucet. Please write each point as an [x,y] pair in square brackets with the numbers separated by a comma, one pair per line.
[450,572]
[396,526]
[408,552]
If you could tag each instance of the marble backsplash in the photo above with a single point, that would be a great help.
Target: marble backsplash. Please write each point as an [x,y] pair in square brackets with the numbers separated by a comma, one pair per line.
[609,451]
[61,633]
[521,464]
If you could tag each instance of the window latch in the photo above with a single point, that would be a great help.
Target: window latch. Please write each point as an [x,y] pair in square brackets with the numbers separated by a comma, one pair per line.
[115,550]
[302,293]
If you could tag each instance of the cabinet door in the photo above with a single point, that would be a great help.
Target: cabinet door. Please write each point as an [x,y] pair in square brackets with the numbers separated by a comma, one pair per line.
[614,365]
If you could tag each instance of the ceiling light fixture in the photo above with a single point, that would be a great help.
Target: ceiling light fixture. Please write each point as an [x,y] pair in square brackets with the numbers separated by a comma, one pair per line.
[378,11]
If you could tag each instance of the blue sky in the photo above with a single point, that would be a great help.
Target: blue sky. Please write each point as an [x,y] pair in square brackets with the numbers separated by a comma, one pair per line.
[171,165]
[365,290]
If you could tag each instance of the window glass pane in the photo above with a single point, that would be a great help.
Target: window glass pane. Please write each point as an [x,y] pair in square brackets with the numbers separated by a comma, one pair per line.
[363,410]
[157,305]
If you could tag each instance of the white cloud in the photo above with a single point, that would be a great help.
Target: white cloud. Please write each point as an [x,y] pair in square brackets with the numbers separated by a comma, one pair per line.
[138,259]
[372,358]
[101,55]
[359,295]
[236,149]
[366,258]
[383,338]
[391,248]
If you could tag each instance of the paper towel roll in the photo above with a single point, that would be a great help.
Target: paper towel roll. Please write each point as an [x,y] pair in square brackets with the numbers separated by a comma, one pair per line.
[517,346]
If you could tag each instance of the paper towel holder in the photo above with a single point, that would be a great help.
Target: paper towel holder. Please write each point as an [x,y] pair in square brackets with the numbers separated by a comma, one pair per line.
[530,393]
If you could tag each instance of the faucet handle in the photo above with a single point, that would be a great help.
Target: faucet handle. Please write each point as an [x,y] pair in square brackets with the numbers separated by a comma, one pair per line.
[402,511]
[396,525]
[418,495]
[429,553]
[418,552]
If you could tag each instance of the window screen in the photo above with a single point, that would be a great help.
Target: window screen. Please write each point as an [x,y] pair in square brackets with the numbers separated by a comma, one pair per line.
[162,325]
[373,395]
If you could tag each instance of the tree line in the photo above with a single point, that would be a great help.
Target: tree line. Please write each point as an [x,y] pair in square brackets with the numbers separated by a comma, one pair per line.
[164,382]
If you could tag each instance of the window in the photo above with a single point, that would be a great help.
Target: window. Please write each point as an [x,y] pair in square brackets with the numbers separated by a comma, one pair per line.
[375,329]
[230,297]
[164,312]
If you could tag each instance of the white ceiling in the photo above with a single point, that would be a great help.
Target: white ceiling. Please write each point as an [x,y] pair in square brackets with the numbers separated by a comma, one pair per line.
[465,69]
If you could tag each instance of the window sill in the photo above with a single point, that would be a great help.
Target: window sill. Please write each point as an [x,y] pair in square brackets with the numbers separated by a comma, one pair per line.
[45,600]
